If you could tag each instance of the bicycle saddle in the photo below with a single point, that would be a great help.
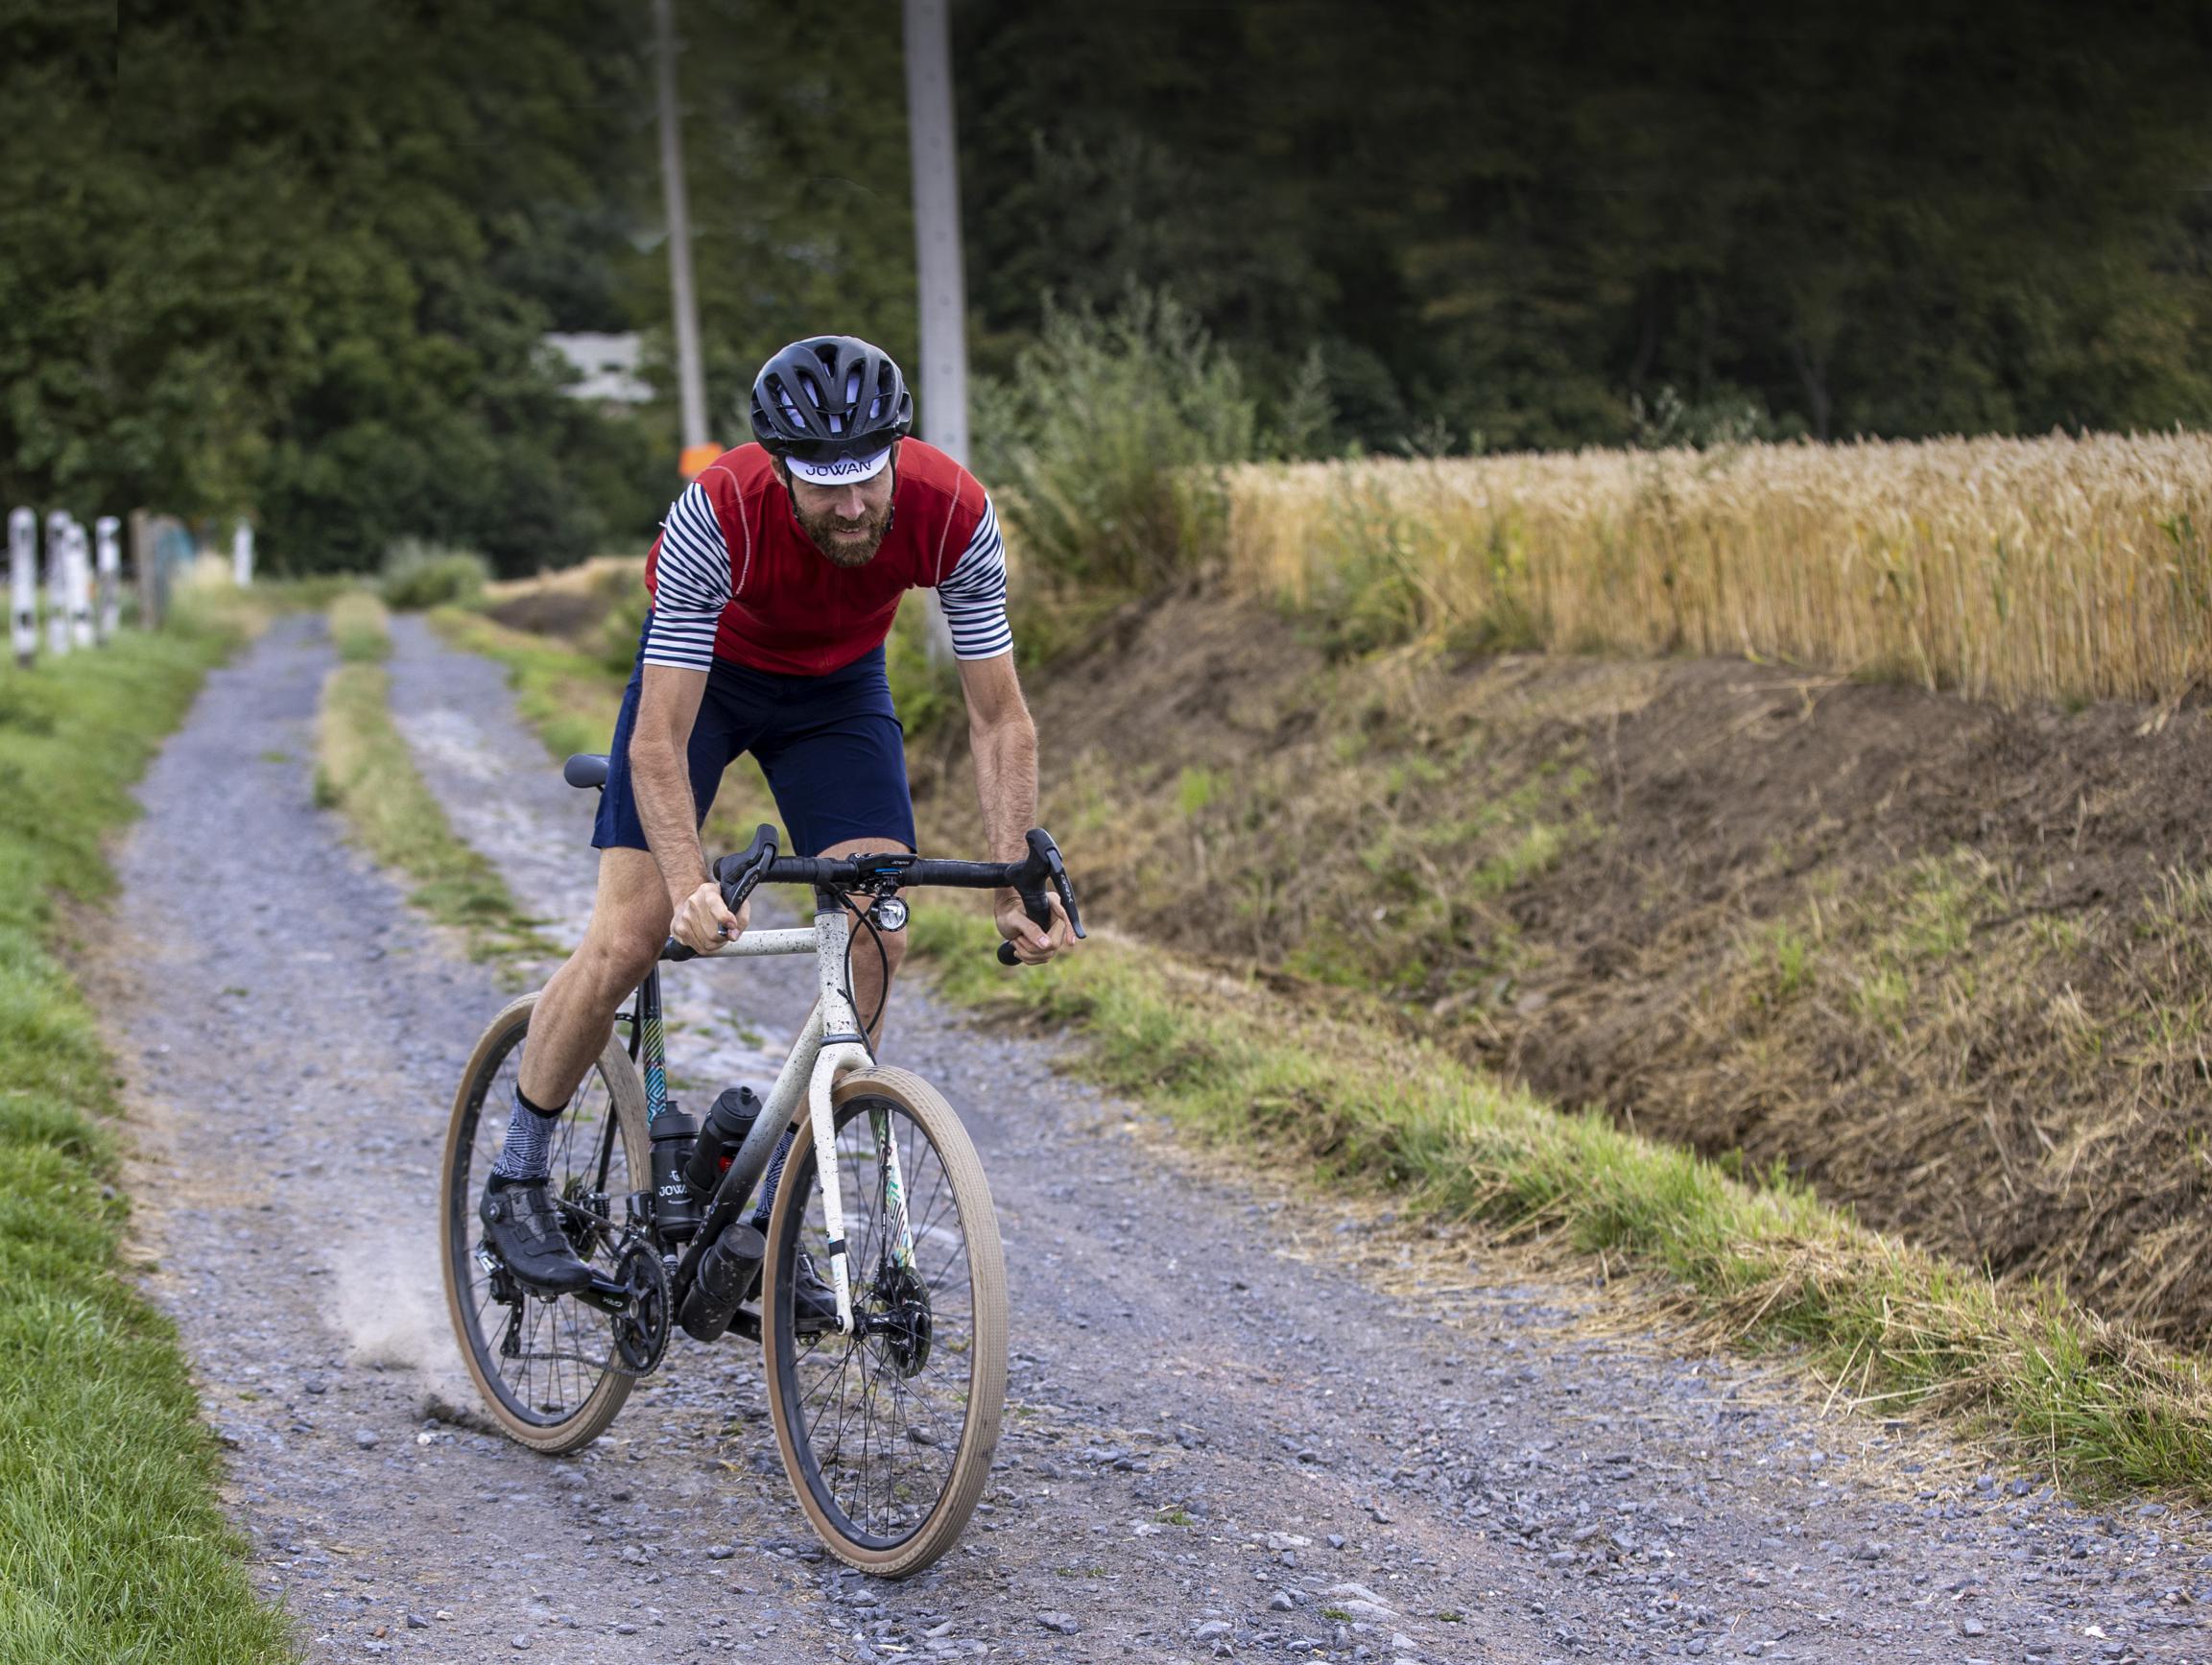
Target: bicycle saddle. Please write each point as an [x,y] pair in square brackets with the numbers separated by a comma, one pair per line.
[585,768]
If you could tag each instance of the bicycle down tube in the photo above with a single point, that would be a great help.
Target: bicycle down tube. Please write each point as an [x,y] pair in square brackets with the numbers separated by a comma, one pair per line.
[830,1045]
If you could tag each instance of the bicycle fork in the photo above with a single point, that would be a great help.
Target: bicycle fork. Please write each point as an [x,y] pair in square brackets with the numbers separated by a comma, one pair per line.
[843,1049]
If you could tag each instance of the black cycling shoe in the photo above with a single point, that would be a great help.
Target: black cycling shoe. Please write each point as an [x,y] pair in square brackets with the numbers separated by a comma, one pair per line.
[522,1224]
[813,1303]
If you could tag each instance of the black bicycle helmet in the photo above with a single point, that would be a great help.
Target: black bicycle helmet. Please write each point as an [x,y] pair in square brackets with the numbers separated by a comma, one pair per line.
[830,396]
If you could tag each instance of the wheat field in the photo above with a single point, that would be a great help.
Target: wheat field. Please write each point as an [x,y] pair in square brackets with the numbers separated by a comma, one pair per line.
[2013,569]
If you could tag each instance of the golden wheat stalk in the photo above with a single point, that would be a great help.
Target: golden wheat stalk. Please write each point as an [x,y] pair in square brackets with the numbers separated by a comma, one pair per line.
[2056,568]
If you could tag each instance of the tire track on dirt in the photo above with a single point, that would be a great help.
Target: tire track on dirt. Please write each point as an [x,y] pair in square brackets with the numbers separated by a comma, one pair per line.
[1220,1437]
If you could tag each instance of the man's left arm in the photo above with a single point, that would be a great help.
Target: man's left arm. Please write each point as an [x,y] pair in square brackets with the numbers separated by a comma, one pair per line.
[1004,740]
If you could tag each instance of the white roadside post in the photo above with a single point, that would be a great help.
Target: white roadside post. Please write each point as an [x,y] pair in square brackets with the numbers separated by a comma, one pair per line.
[23,583]
[242,555]
[57,582]
[108,542]
[80,587]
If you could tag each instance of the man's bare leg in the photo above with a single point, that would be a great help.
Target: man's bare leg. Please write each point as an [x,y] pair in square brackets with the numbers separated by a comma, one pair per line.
[629,917]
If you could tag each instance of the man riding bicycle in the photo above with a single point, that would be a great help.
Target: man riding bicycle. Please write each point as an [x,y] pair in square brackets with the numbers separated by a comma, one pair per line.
[773,582]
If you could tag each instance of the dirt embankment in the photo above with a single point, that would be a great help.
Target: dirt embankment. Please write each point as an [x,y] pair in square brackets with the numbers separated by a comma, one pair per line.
[1948,964]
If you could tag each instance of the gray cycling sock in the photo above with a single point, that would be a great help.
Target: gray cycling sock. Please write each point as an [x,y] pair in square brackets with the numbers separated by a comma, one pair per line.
[769,1179]
[526,1152]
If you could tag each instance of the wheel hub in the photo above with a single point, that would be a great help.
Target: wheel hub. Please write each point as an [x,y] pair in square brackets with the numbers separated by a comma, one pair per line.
[897,1319]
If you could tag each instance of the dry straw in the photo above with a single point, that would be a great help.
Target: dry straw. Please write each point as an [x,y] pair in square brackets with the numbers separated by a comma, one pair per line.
[2056,568]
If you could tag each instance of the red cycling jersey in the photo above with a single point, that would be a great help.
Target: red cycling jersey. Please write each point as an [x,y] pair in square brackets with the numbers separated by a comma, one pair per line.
[734,576]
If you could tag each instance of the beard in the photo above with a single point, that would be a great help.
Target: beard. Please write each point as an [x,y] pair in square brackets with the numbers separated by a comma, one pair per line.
[845,549]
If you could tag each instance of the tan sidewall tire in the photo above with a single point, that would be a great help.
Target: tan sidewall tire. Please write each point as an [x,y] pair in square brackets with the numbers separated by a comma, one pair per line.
[628,1093]
[986,1361]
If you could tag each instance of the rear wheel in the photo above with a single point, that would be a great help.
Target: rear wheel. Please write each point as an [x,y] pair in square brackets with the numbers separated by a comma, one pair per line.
[548,1369]
[888,1436]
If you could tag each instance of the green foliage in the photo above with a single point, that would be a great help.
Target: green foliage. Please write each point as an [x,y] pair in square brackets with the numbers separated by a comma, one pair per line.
[1896,219]
[111,1542]
[280,261]
[419,575]
[1107,439]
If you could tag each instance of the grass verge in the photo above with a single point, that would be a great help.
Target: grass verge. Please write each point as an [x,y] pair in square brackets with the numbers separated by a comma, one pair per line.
[362,769]
[1769,1266]
[111,1544]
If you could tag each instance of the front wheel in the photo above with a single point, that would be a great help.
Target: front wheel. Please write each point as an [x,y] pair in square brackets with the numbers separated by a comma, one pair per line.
[888,1435]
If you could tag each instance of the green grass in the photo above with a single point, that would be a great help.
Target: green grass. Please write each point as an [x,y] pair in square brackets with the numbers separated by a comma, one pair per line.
[111,1543]
[1769,1265]
[360,628]
[362,769]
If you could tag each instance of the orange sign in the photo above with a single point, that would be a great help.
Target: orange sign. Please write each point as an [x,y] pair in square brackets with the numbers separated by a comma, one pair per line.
[695,458]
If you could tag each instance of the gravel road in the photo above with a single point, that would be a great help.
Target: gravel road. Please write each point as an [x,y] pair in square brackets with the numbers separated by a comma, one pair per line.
[1241,1425]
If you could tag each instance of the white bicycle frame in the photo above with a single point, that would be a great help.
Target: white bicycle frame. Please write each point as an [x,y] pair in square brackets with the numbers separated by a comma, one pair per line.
[832,1045]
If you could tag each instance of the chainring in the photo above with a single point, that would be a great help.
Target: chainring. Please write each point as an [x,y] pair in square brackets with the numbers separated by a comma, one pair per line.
[641,1327]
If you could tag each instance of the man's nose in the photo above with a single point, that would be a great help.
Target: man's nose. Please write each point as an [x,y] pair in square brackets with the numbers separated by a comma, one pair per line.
[851,504]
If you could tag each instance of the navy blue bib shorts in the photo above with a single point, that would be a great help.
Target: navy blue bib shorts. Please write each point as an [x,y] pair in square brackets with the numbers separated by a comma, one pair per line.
[832,749]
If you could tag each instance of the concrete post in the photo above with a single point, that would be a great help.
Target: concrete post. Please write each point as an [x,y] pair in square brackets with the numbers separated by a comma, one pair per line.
[107,546]
[940,282]
[242,555]
[80,587]
[23,583]
[57,582]
[142,571]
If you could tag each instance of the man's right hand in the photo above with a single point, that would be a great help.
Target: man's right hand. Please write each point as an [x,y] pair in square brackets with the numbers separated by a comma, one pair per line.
[703,925]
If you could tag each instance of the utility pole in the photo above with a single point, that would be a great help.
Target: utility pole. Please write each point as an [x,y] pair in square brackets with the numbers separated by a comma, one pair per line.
[942,288]
[690,378]
[939,284]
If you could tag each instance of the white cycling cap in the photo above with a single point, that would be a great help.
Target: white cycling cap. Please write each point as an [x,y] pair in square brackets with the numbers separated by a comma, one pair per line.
[839,470]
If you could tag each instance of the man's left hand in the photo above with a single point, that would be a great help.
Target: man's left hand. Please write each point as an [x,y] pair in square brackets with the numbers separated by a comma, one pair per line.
[1031,944]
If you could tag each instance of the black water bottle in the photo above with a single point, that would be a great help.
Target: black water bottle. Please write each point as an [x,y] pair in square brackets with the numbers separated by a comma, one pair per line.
[727,1125]
[673,1208]
[726,1273]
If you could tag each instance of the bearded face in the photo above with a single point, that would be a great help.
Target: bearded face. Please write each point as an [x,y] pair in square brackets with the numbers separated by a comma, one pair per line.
[846,523]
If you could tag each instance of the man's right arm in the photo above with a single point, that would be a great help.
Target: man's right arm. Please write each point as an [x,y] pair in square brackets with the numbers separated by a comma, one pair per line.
[668,702]
[692,586]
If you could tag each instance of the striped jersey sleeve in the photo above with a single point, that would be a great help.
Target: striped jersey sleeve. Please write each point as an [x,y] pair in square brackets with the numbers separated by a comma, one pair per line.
[973,594]
[691,585]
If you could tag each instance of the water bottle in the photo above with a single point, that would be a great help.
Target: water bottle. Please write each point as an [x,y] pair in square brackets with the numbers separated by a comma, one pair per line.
[675,1210]
[727,1125]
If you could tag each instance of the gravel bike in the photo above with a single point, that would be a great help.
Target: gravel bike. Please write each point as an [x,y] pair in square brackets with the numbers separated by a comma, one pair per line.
[886,1417]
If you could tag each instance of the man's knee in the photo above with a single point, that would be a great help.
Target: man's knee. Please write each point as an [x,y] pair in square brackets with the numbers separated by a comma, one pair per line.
[616,960]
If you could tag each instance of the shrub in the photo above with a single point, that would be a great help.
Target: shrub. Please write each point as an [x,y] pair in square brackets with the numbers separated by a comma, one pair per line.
[419,575]
[1108,442]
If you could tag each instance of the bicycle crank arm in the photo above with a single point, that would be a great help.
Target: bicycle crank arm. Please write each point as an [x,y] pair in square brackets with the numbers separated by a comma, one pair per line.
[605,1294]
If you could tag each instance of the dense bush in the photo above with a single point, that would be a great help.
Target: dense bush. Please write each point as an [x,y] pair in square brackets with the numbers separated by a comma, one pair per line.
[419,575]
[1105,445]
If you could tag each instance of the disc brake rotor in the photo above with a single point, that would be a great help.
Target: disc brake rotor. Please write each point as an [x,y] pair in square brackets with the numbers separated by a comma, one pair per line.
[898,1319]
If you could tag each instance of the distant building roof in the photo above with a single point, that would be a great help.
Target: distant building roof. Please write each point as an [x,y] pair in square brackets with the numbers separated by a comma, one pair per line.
[605,365]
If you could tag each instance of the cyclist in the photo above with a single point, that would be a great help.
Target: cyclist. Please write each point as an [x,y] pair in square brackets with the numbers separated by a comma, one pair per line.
[774,584]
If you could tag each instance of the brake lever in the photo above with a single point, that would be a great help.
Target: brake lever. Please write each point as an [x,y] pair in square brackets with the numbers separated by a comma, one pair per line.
[1043,852]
